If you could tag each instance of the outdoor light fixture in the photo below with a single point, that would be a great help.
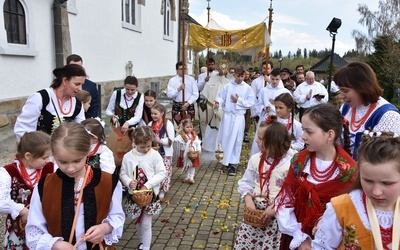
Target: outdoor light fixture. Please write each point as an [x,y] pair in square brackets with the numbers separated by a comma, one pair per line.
[332,28]
[334,25]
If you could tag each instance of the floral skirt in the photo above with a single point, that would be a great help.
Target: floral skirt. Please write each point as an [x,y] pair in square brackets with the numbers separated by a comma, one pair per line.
[165,184]
[250,237]
[133,211]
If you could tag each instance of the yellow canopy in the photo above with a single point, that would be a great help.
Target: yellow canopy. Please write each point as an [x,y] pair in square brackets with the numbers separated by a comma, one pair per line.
[244,41]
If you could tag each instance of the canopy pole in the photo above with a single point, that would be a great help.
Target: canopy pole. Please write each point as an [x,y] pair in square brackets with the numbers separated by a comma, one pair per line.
[208,25]
[269,31]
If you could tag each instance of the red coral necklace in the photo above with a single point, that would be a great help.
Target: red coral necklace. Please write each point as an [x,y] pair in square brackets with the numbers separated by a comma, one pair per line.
[27,177]
[324,175]
[60,106]
[355,125]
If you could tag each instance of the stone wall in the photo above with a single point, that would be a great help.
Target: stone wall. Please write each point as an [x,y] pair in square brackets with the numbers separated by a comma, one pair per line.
[11,108]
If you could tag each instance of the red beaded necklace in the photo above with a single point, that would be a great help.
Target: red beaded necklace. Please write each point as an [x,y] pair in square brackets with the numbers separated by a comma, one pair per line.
[321,176]
[356,125]
[266,176]
[60,106]
[386,233]
[27,177]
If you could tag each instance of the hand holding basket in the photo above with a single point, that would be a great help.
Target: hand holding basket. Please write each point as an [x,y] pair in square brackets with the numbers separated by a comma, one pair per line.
[253,217]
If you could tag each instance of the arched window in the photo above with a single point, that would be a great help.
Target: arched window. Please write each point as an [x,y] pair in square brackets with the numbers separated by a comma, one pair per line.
[131,14]
[17,32]
[168,18]
[14,21]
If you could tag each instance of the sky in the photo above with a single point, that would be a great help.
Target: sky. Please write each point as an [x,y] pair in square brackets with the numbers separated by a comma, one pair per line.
[296,24]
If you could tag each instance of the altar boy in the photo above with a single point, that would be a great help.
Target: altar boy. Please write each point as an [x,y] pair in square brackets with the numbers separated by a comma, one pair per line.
[234,98]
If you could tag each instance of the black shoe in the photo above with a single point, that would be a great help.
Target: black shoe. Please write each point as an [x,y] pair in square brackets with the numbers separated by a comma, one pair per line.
[246,138]
[232,170]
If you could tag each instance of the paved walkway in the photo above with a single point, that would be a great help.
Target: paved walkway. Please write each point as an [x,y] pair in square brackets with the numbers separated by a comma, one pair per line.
[204,215]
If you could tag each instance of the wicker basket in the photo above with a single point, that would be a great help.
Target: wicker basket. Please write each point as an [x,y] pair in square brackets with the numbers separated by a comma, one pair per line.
[193,155]
[142,197]
[252,217]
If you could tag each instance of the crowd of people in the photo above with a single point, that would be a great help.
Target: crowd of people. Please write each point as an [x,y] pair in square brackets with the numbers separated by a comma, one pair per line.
[319,175]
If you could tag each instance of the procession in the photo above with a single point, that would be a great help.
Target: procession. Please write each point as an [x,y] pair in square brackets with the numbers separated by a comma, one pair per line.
[222,154]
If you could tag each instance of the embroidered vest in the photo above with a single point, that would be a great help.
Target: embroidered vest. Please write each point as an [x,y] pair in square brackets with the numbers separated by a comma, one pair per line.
[125,114]
[57,196]
[354,232]
[93,161]
[21,193]
[47,122]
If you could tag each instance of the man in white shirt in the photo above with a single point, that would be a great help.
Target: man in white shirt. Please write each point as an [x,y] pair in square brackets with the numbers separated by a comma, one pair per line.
[309,93]
[205,77]
[175,89]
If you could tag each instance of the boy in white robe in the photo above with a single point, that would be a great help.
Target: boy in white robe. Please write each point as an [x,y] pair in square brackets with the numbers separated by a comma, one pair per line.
[234,98]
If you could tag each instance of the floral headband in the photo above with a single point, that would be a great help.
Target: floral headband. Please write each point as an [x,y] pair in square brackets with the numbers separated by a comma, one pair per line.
[378,134]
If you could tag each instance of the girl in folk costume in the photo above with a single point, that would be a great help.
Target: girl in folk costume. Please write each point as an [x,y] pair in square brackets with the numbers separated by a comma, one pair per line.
[17,181]
[188,144]
[76,206]
[264,176]
[318,173]
[369,216]
[126,105]
[364,107]
[150,99]
[164,136]
[284,106]
[100,156]
[142,169]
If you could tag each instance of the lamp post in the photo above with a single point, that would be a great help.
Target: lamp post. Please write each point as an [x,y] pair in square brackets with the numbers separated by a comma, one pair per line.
[280,62]
[333,26]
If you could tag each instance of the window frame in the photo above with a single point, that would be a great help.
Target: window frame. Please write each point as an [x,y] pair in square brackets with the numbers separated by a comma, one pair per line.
[71,7]
[27,49]
[167,21]
[126,22]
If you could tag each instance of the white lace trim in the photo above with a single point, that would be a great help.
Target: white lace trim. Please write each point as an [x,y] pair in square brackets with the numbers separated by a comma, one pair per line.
[385,218]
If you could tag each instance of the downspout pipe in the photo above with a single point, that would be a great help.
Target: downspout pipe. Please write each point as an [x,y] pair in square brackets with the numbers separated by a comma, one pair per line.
[58,5]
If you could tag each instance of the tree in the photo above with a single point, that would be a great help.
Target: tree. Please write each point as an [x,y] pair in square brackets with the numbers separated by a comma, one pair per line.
[305,53]
[385,61]
[382,38]
[298,53]
[384,22]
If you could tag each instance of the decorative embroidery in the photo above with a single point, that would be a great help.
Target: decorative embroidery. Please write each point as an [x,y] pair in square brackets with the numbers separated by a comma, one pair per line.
[350,240]
[346,171]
